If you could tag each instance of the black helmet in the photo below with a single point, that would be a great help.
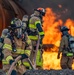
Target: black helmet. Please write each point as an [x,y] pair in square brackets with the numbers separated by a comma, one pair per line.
[16,30]
[13,26]
[64,28]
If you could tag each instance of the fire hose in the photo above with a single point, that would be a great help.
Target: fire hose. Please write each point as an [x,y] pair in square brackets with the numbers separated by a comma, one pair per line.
[37,47]
[16,60]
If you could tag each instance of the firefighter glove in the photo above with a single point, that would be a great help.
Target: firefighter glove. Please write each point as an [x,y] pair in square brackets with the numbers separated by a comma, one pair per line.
[24,56]
[11,61]
[14,72]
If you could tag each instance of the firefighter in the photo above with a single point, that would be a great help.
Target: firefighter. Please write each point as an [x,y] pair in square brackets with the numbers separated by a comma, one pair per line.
[25,21]
[3,35]
[12,48]
[25,24]
[67,56]
[35,26]
[28,45]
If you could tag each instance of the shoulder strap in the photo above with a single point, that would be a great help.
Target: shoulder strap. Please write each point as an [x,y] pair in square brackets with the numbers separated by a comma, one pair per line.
[1,40]
[12,41]
[1,43]
[28,21]
[28,29]
[68,41]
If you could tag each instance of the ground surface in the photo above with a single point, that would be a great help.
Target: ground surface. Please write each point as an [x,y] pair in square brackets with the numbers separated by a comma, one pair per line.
[50,72]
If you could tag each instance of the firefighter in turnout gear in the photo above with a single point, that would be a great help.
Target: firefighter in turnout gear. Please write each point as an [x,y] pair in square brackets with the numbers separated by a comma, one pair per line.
[3,35]
[35,26]
[67,54]
[25,21]
[12,48]
[28,45]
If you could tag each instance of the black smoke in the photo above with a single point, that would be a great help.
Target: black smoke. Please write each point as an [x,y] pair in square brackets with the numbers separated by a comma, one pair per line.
[67,10]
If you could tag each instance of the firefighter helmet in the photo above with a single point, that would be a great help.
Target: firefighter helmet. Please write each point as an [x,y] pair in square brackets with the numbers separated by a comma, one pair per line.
[41,10]
[25,18]
[5,31]
[16,30]
[64,28]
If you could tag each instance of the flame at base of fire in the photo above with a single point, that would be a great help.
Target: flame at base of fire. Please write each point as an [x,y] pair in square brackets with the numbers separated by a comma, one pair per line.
[50,61]
[51,27]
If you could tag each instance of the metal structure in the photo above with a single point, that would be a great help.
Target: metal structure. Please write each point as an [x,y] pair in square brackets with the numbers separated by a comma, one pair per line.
[7,10]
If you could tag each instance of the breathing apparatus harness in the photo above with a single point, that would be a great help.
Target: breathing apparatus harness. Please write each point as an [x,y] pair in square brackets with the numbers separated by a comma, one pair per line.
[1,48]
[12,34]
[11,37]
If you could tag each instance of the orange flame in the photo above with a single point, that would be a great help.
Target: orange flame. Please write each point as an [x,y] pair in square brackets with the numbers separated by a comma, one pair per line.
[53,36]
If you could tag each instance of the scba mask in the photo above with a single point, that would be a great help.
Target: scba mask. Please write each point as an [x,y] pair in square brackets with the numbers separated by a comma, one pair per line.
[18,33]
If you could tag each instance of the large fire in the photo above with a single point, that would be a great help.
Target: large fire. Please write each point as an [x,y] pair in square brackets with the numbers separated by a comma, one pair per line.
[51,27]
